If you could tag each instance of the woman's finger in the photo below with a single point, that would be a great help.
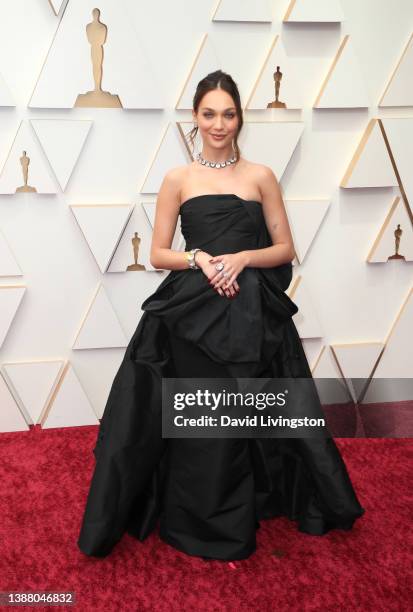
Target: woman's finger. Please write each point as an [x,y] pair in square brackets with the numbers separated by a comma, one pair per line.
[216,277]
[224,280]
[224,292]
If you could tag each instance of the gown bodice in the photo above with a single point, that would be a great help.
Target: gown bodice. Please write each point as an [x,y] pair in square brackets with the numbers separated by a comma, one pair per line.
[221,223]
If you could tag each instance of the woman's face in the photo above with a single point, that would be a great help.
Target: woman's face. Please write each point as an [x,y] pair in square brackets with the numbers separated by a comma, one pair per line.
[217,119]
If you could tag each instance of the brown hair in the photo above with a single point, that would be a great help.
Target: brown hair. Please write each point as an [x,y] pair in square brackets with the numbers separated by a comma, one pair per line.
[218,80]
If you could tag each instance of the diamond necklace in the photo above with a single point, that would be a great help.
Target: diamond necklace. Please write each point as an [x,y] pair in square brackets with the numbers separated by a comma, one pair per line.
[212,164]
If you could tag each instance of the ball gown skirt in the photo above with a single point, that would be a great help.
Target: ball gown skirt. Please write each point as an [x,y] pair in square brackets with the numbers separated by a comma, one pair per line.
[208,495]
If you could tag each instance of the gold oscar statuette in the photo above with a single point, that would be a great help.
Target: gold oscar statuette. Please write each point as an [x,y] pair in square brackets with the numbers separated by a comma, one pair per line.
[135,244]
[397,236]
[96,33]
[25,161]
[277,76]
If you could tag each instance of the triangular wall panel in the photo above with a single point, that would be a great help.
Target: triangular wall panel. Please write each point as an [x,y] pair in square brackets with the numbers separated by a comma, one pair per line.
[135,242]
[100,327]
[10,300]
[371,164]
[291,88]
[8,262]
[399,134]
[397,358]
[345,85]
[399,90]
[357,362]
[306,319]
[62,141]
[57,5]
[327,367]
[11,419]
[25,152]
[384,247]
[102,226]
[150,210]
[313,348]
[305,218]
[32,384]
[66,79]
[69,405]
[171,153]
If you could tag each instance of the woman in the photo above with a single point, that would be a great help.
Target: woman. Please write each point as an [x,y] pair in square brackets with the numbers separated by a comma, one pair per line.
[221,312]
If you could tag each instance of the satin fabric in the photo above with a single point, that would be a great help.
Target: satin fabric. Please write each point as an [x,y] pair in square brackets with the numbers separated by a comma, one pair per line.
[209,495]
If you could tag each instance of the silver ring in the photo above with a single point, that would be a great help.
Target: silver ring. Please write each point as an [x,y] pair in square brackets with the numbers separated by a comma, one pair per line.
[219,266]
[225,274]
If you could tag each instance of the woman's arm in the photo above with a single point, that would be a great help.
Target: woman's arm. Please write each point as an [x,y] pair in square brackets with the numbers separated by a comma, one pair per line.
[276,220]
[167,212]
[166,216]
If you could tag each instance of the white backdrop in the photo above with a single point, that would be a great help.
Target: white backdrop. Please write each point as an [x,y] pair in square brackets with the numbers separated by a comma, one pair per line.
[354,301]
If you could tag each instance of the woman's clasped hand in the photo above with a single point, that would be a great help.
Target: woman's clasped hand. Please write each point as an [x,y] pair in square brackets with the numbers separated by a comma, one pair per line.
[224,281]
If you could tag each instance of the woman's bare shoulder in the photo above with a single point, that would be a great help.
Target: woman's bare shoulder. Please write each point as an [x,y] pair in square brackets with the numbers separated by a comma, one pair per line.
[256,169]
[258,174]
[177,173]
[171,188]
[173,180]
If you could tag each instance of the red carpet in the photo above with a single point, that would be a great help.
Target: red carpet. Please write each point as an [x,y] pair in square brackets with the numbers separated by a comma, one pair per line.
[44,482]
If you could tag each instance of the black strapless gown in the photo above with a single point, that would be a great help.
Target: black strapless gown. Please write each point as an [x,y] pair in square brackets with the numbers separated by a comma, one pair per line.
[210,494]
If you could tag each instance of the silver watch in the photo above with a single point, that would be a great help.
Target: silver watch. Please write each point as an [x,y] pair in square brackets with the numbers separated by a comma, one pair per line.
[191,259]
